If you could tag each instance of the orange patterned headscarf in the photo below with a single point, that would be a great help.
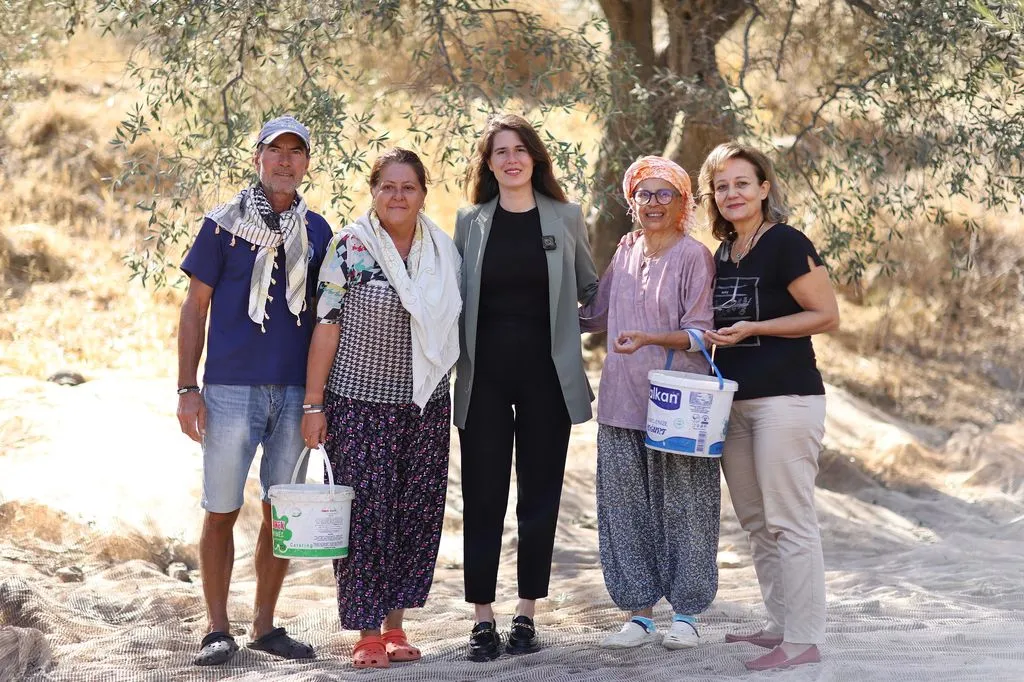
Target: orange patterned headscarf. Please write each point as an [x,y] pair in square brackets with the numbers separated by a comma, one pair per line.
[659,167]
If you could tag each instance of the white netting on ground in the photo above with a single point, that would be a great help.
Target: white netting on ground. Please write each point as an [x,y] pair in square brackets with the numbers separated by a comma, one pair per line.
[922,584]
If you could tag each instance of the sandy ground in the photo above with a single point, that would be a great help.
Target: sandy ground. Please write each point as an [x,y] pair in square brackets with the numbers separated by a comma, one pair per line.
[923,533]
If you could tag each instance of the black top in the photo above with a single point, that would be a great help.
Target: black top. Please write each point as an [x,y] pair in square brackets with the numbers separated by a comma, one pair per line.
[514,305]
[756,289]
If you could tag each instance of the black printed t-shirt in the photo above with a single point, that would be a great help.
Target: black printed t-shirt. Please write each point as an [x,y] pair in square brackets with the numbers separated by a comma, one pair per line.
[755,290]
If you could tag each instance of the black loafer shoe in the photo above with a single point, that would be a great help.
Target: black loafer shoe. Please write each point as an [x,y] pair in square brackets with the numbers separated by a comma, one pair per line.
[523,637]
[484,643]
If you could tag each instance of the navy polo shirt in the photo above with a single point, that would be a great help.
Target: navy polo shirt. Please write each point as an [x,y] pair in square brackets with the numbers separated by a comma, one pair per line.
[237,351]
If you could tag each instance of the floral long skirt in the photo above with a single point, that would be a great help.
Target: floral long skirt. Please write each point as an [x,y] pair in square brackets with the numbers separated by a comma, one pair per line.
[396,460]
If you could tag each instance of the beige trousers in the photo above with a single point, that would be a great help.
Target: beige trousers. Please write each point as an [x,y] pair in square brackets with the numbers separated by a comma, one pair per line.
[770,462]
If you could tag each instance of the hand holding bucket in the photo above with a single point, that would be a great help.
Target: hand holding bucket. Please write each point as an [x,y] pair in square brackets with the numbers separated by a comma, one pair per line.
[688,413]
[310,520]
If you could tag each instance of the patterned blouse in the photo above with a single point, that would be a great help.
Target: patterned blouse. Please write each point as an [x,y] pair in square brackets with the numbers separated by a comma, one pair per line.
[662,294]
[374,357]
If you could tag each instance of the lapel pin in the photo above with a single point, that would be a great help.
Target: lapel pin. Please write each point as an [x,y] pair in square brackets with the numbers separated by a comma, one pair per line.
[547,242]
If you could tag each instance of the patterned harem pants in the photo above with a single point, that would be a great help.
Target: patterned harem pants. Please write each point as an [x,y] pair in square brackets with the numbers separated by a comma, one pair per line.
[658,520]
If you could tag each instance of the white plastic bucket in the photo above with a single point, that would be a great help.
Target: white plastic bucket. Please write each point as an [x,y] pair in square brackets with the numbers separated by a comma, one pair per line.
[310,520]
[688,414]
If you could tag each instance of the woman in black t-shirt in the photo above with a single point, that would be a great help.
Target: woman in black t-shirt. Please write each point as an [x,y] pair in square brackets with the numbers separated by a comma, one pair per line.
[772,293]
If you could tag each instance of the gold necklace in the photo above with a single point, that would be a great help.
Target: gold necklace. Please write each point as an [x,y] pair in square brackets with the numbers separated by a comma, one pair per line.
[750,244]
[658,250]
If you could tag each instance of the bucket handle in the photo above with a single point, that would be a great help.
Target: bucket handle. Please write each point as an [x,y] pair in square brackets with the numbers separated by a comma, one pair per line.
[696,336]
[327,467]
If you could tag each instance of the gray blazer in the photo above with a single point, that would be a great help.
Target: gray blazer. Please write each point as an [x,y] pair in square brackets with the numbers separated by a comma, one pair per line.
[572,279]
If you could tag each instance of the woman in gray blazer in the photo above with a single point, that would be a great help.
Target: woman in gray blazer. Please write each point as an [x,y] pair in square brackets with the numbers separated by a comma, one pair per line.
[519,378]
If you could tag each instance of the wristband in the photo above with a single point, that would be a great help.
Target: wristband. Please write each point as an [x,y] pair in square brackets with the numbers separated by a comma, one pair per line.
[312,406]
[315,410]
[188,389]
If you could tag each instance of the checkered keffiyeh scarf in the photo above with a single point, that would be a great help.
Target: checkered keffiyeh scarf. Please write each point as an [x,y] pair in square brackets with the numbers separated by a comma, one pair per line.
[271,217]
[249,216]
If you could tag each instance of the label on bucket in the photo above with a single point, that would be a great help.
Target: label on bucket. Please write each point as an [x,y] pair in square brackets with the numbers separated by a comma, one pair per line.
[689,421]
[310,530]
[665,398]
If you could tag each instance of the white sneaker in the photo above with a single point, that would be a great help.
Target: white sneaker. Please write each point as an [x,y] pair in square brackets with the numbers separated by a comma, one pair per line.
[682,635]
[631,635]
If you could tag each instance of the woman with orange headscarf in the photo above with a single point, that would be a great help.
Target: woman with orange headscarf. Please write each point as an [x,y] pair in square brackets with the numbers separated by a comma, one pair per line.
[657,512]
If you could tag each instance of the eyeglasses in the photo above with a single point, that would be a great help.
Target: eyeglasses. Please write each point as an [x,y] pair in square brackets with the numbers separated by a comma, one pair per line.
[663,196]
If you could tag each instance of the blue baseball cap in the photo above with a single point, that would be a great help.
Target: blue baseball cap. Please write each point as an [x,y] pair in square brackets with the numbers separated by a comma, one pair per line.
[276,127]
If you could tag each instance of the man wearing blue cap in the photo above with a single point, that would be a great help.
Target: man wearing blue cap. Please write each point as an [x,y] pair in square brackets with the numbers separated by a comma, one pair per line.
[253,268]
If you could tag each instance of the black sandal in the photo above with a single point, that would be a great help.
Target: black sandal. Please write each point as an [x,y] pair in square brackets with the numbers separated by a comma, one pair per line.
[278,643]
[216,648]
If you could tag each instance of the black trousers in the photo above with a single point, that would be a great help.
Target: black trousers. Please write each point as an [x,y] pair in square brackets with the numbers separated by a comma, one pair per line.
[518,399]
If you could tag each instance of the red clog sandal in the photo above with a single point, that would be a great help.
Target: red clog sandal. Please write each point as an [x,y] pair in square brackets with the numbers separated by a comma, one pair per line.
[398,647]
[370,653]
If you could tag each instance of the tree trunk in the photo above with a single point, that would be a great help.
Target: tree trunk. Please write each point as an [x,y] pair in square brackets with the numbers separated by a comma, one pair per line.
[686,114]
[704,118]
[632,59]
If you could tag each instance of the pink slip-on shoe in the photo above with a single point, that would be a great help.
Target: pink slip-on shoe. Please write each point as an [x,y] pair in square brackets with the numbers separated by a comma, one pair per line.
[760,638]
[776,658]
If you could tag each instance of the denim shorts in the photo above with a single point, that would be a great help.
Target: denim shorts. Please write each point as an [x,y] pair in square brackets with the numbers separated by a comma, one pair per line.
[238,419]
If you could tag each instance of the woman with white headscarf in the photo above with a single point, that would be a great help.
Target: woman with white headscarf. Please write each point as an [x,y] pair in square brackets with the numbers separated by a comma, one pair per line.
[658,513]
[377,397]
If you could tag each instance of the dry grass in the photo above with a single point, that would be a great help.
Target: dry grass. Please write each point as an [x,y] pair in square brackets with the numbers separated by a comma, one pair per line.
[57,160]
[822,36]
[60,540]
[933,343]
[28,254]
[59,165]
[65,299]
[91,321]
[20,521]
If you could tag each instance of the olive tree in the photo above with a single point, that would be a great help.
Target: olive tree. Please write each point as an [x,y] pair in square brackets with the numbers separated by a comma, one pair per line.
[209,72]
[879,111]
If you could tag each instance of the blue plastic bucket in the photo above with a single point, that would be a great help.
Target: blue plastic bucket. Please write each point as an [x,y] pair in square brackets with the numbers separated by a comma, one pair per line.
[688,414]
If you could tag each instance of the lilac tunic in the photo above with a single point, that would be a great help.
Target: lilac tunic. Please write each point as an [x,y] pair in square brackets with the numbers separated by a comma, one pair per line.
[669,292]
